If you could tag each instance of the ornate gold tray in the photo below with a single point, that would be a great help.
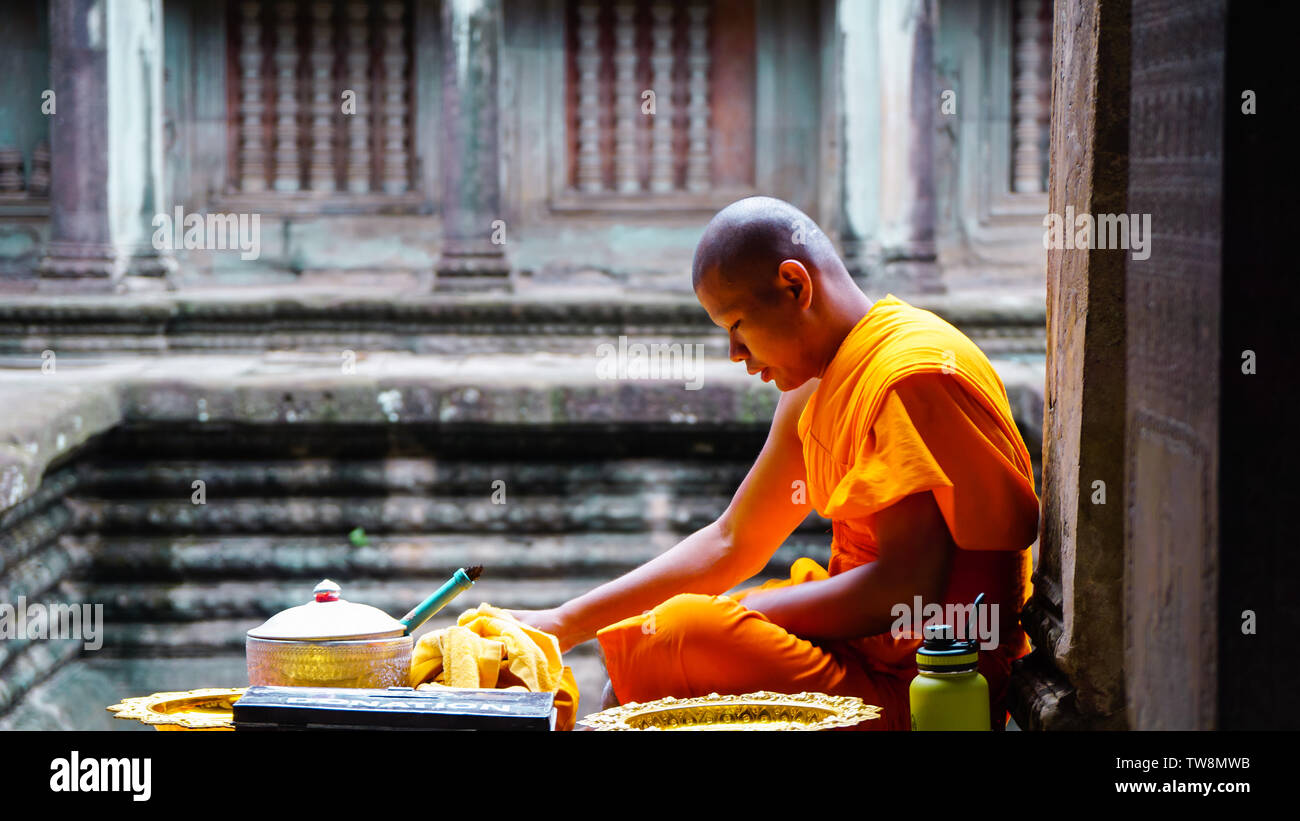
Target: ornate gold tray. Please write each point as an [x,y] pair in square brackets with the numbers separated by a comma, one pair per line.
[207,709]
[753,711]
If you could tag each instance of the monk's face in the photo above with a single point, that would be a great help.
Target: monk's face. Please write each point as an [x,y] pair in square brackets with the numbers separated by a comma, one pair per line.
[766,322]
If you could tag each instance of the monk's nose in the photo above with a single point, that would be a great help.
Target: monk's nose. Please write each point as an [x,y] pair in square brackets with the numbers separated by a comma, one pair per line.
[738,352]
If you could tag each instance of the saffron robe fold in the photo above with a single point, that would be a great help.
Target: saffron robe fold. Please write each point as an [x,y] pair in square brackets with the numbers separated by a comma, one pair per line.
[907,405]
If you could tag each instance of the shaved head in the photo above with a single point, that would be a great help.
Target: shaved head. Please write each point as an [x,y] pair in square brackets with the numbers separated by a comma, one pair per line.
[766,274]
[747,240]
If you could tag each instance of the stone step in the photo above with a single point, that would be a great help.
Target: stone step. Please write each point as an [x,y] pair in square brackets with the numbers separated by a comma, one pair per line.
[191,558]
[63,596]
[41,572]
[32,534]
[651,511]
[332,319]
[258,600]
[115,478]
[32,665]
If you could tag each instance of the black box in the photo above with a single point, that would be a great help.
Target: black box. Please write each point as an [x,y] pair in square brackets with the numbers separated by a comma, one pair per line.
[397,708]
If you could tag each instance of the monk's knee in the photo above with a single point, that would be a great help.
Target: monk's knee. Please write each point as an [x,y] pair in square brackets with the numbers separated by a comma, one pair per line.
[694,620]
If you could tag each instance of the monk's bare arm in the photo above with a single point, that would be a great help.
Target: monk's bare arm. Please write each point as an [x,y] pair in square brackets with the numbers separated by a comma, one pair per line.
[916,554]
[715,558]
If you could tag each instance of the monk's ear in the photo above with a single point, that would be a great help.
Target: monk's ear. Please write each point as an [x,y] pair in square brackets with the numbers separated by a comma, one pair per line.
[796,281]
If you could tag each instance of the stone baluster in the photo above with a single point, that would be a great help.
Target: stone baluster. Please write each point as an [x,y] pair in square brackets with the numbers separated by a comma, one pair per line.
[1028,166]
[698,171]
[322,177]
[661,80]
[252,148]
[287,159]
[11,170]
[590,173]
[627,109]
[396,174]
[358,71]
[39,184]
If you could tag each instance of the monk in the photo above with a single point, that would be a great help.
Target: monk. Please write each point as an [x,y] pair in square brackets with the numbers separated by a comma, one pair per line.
[894,426]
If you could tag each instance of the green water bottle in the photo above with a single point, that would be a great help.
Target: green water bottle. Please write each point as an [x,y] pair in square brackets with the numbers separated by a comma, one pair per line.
[948,692]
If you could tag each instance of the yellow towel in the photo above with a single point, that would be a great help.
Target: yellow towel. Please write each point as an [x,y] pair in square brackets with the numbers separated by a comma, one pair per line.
[488,648]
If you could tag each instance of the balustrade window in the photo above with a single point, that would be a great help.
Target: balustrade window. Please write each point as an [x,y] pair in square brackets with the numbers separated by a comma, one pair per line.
[660,96]
[321,97]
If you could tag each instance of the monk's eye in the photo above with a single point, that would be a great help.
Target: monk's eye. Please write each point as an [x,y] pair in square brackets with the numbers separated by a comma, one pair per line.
[737,325]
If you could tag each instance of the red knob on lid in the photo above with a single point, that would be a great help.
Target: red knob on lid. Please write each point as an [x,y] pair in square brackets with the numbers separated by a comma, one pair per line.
[327,591]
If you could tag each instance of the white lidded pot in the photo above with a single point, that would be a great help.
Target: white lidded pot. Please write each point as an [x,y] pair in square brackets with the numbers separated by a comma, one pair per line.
[330,642]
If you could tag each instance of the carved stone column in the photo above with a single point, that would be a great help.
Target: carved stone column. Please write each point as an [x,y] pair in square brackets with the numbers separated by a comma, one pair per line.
[471,194]
[909,99]
[106,183]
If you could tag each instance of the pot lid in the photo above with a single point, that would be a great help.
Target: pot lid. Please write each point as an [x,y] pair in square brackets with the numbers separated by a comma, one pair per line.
[329,618]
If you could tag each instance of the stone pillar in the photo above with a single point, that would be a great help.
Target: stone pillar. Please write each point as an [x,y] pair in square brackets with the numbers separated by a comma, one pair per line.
[471,192]
[908,100]
[1076,617]
[860,102]
[106,143]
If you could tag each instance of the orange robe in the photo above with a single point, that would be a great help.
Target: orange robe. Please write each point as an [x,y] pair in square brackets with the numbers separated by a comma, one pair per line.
[908,404]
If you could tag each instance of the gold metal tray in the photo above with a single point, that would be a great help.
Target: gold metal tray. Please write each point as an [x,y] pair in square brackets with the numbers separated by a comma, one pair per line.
[207,709]
[753,711]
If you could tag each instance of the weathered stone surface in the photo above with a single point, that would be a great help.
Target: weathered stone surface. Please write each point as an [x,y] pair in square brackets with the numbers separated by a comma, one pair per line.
[1172,424]
[1047,700]
[25,664]
[75,697]
[49,417]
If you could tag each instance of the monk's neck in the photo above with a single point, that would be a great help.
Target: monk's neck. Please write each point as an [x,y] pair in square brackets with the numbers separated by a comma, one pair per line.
[848,313]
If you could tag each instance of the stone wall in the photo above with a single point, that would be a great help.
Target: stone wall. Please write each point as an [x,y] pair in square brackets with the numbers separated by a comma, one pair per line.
[1173,345]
